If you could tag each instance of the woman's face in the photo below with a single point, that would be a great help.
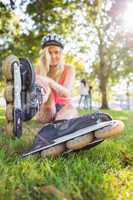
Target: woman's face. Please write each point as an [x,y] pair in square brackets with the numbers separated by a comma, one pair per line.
[55,55]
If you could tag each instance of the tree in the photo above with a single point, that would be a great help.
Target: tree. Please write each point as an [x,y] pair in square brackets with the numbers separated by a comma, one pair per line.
[111,54]
[9,31]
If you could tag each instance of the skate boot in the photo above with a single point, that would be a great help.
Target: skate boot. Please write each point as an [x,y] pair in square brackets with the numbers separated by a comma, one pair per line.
[22,95]
[67,136]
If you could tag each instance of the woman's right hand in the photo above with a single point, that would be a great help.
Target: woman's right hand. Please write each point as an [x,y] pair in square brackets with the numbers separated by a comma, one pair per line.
[43,83]
[45,59]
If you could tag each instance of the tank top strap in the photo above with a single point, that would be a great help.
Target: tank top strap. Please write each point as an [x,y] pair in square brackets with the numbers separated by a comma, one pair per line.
[63,76]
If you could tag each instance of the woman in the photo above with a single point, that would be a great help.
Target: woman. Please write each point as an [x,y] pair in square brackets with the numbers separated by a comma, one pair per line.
[56,79]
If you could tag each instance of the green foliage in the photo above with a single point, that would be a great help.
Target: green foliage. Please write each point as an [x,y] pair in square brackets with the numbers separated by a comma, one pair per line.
[113,53]
[9,32]
[77,64]
[51,16]
[104,172]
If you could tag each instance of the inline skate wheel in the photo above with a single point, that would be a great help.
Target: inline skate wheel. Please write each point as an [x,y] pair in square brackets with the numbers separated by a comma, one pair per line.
[8,93]
[114,129]
[8,66]
[53,151]
[9,112]
[9,129]
[79,142]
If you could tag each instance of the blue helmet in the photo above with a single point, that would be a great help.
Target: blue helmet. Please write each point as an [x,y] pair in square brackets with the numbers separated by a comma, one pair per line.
[52,39]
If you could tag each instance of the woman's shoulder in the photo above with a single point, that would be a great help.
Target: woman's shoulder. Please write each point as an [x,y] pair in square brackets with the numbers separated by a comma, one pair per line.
[68,67]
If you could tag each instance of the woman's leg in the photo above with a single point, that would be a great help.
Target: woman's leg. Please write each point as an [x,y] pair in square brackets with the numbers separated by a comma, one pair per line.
[83,101]
[80,100]
[45,115]
[86,101]
[47,111]
[67,112]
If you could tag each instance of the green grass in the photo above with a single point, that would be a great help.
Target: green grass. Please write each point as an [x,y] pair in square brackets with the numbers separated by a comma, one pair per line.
[102,173]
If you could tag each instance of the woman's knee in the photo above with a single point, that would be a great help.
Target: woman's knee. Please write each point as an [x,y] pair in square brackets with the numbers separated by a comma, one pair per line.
[45,115]
[41,119]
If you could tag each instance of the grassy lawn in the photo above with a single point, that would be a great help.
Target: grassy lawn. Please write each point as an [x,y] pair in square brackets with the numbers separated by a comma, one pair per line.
[102,173]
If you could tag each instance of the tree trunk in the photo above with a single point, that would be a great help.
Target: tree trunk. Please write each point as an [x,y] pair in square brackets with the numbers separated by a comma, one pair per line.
[103,73]
[128,96]
[104,100]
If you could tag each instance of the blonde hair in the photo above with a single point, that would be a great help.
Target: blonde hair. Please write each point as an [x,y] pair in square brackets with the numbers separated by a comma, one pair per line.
[43,66]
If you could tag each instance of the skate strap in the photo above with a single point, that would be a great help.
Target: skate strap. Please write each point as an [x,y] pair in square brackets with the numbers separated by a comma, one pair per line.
[60,121]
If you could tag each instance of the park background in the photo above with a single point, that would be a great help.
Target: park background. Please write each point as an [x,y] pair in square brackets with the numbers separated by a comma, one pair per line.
[99,44]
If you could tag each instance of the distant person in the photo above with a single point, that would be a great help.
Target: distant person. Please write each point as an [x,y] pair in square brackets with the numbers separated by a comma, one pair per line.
[90,96]
[84,94]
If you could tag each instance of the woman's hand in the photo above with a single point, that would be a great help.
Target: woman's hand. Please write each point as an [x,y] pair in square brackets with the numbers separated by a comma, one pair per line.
[45,59]
[42,80]
[43,83]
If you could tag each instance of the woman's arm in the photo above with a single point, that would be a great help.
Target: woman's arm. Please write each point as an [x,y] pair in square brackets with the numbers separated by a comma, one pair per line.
[40,80]
[65,89]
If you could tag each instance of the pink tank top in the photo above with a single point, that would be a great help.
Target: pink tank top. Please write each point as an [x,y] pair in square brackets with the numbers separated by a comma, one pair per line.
[59,99]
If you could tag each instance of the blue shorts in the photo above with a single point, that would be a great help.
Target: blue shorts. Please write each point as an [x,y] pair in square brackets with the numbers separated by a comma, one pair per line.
[58,107]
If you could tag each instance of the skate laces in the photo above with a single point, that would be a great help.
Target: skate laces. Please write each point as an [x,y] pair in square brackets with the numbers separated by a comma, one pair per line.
[100,117]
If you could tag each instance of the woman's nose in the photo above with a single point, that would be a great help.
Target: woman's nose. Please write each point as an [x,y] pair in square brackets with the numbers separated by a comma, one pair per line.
[53,55]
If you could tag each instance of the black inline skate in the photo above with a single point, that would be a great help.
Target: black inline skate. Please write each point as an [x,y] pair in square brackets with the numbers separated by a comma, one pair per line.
[22,95]
[76,134]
